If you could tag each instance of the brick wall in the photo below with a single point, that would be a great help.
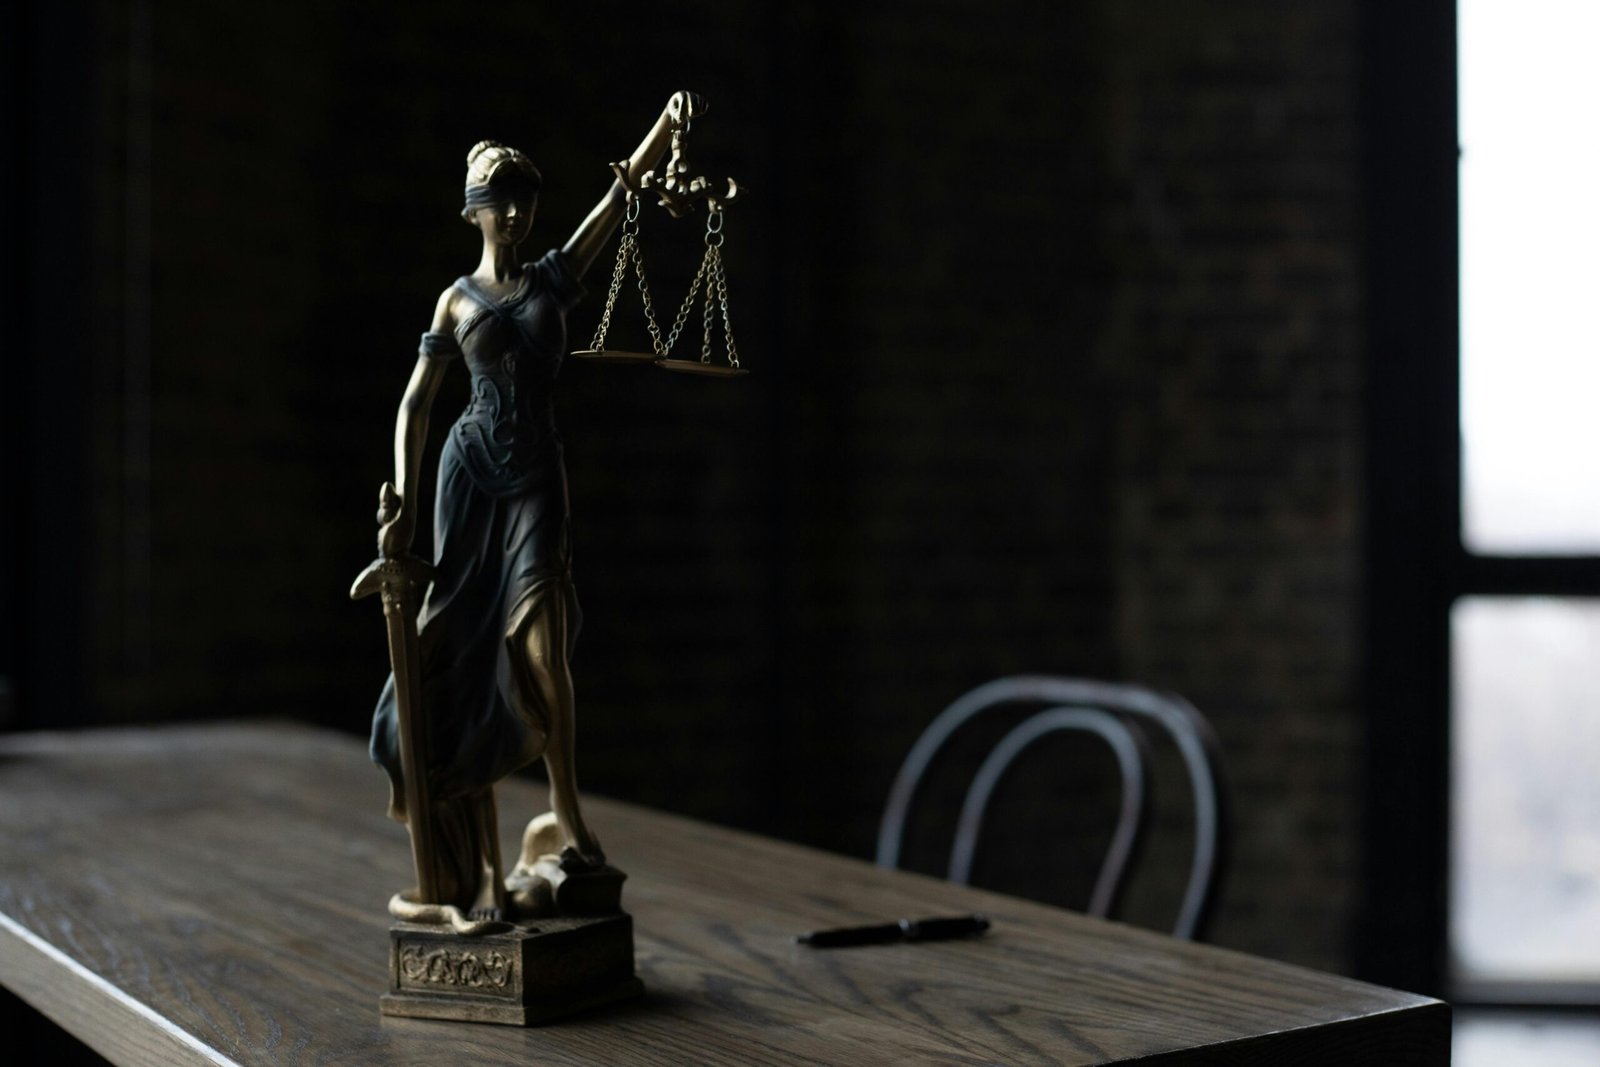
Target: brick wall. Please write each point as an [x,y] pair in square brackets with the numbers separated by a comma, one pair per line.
[1237,436]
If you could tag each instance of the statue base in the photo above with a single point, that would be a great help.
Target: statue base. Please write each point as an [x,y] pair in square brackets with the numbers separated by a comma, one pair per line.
[527,974]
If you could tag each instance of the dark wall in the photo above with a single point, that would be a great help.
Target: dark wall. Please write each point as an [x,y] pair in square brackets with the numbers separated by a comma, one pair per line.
[1052,313]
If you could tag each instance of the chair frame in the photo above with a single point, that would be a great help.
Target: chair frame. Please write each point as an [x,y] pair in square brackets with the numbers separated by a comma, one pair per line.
[1104,702]
[1132,752]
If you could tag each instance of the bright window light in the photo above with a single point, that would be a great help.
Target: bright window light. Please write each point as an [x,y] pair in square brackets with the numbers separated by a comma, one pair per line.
[1530,276]
[1525,880]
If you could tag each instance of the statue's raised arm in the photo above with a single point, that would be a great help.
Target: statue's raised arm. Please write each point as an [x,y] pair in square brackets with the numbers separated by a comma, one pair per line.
[595,230]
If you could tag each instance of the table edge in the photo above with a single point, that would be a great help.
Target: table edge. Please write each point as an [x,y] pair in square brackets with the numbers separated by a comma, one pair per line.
[100,1012]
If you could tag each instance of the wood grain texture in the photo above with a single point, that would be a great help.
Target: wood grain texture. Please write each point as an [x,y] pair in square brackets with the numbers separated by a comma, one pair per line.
[216,894]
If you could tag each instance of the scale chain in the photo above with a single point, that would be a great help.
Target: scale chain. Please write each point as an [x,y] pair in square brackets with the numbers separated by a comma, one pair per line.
[630,231]
[599,342]
[688,302]
[717,284]
[706,317]
[711,276]
[727,321]
[649,306]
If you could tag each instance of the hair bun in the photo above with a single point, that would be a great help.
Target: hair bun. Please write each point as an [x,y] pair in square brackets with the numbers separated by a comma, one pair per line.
[480,148]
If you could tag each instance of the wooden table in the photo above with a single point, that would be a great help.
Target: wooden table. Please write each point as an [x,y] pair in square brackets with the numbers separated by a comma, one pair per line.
[215,894]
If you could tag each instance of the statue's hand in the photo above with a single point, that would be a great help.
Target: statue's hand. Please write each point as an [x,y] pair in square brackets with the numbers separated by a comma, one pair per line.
[685,105]
[396,523]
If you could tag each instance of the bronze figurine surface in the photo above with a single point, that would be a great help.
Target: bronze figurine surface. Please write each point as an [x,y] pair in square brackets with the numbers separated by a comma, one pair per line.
[480,684]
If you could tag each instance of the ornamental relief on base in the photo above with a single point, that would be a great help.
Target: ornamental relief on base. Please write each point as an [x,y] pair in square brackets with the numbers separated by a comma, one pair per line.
[487,971]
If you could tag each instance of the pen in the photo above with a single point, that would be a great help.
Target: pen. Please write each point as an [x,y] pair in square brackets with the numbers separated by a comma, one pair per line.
[940,929]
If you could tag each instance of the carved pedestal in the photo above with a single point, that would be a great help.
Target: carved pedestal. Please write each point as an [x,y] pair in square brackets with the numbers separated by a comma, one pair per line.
[529,974]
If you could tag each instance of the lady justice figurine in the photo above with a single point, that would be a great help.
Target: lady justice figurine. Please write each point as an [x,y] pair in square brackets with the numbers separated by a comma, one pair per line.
[481,685]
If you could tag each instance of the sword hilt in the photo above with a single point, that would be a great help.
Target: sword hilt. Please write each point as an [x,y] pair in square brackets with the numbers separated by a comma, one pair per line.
[396,575]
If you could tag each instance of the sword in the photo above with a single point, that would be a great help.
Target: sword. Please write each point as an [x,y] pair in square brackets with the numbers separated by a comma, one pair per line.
[400,580]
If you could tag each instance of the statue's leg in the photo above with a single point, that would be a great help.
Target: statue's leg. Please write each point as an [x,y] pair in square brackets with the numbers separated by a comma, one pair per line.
[539,645]
[490,899]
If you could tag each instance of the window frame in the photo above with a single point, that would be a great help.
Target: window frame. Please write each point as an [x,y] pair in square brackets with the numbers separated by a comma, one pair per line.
[1417,566]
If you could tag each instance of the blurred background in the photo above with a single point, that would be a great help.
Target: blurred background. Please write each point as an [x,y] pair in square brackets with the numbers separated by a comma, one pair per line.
[1102,339]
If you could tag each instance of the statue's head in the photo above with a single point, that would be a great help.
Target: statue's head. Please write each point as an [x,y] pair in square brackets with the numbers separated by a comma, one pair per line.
[502,192]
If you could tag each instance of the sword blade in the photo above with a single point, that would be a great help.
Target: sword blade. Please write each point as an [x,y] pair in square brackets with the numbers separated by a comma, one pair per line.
[400,582]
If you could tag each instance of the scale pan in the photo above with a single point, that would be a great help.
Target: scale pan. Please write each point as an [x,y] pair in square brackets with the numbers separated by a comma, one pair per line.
[694,366]
[607,355]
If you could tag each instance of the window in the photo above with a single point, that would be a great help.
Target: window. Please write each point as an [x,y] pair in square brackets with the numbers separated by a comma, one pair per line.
[1524,642]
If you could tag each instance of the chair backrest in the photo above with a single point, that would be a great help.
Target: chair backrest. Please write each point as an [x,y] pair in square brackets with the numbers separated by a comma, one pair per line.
[1110,710]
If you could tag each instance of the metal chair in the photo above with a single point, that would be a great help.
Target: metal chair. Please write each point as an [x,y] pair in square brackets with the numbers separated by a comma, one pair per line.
[1111,711]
